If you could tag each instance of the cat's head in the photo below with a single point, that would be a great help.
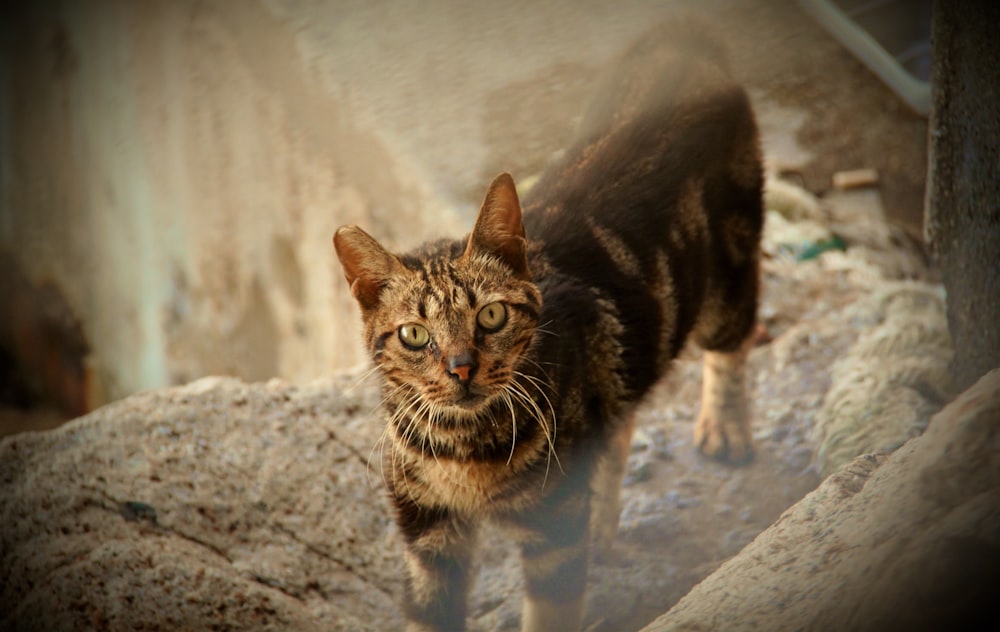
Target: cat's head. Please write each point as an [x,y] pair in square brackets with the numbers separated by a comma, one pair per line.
[448,325]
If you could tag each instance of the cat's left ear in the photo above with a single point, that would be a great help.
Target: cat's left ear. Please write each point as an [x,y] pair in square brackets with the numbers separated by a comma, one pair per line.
[499,230]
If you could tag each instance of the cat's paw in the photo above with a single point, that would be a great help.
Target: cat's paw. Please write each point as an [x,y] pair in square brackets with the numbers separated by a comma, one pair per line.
[730,442]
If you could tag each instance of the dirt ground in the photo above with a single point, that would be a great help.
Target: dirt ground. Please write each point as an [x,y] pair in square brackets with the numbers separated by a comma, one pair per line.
[849,119]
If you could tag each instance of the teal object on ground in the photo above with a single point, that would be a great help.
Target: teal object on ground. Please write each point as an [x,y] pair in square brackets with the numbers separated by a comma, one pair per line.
[815,249]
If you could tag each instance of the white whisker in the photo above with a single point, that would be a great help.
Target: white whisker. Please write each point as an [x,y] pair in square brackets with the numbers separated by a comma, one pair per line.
[380,443]
[407,435]
[364,376]
[550,432]
[513,424]
[542,329]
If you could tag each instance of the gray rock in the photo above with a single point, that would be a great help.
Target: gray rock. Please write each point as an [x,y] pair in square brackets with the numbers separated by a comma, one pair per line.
[904,542]
[216,504]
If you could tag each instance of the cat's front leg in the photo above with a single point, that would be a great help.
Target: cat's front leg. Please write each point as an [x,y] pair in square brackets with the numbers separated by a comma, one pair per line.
[607,485]
[438,557]
[555,583]
[555,554]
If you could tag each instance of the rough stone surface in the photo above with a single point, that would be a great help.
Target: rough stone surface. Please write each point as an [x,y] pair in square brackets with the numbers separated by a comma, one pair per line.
[909,541]
[215,504]
[892,379]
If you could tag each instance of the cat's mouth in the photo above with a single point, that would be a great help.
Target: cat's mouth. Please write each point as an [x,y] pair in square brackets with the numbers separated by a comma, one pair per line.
[469,400]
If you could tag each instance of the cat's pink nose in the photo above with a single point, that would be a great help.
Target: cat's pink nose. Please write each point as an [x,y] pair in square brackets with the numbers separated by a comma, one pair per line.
[462,365]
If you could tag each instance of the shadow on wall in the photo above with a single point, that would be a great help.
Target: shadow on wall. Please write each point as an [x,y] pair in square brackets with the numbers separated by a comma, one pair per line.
[44,356]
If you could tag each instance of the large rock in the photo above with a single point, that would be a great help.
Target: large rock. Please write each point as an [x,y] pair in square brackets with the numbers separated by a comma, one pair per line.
[905,542]
[223,505]
[890,382]
[217,505]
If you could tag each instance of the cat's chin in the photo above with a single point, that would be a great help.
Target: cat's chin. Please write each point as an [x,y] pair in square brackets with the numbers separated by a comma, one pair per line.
[467,405]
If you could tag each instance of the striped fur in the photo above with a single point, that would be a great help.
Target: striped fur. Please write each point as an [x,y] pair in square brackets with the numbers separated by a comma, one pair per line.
[645,234]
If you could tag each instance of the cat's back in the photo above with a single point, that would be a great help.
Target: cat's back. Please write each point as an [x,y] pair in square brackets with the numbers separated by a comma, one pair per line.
[679,60]
[668,127]
[667,110]
[667,159]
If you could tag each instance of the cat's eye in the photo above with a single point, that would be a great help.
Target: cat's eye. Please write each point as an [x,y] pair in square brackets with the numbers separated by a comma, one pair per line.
[414,336]
[492,317]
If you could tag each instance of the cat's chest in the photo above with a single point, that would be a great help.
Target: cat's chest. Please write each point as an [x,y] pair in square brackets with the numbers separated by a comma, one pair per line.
[470,486]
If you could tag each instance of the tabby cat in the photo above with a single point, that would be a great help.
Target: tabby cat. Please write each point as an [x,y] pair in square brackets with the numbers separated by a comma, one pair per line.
[512,359]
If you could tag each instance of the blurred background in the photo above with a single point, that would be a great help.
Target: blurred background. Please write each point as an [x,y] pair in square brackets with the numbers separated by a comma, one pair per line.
[172,171]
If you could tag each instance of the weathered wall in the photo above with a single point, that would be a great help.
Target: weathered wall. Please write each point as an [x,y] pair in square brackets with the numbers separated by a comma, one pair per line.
[963,193]
[176,170]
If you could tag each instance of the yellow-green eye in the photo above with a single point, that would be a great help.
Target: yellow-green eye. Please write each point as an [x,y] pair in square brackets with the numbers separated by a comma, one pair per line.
[414,336]
[492,317]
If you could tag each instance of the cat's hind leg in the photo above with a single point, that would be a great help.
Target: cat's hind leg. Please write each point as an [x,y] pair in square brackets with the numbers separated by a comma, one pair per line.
[726,327]
[727,333]
[723,427]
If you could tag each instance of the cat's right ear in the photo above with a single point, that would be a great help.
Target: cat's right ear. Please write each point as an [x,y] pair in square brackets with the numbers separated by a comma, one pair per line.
[367,265]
